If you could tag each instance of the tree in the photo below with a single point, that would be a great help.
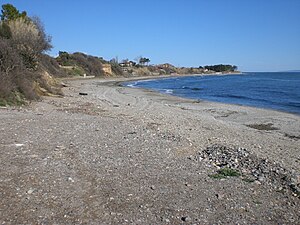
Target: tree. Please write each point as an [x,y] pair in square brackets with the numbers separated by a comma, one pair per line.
[63,58]
[147,60]
[144,60]
[9,12]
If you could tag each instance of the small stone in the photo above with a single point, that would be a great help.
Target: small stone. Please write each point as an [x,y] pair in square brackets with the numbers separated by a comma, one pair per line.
[257,182]
[186,219]
[30,191]
[71,179]
[63,84]
[187,185]
[60,147]
[19,145]
[220,196]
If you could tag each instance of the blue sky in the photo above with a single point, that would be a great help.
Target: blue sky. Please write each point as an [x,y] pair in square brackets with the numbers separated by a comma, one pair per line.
[255,35]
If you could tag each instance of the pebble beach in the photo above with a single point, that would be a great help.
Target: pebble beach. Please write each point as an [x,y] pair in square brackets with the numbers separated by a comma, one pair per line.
[109,154]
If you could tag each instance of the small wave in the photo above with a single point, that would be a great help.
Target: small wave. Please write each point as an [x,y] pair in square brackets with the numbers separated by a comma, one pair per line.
[132,84]
[168,91]
[294,104]
[193,89]
[196,89]
[232,96]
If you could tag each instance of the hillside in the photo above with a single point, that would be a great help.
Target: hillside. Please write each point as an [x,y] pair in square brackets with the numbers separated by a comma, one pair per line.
[27,72]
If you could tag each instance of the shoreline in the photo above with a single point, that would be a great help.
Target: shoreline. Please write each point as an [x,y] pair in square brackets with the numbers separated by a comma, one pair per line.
[120,155]
[120,84]
[240,115]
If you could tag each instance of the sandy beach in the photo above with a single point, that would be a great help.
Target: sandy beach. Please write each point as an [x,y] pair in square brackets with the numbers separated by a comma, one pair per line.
[118,155]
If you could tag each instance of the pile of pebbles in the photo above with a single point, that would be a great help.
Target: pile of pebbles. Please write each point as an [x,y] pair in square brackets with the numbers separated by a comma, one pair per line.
[252,167]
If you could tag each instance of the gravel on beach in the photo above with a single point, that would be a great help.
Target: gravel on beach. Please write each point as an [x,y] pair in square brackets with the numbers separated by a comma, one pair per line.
[107,154]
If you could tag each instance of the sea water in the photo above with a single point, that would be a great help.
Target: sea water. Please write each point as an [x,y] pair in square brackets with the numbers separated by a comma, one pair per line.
[279,91]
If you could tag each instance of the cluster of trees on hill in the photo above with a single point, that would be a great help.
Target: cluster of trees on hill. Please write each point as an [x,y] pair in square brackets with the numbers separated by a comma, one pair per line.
[22,44]
[144,61]
[220,68]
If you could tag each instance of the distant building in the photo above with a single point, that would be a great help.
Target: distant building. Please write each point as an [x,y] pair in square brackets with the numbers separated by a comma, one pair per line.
[127,64]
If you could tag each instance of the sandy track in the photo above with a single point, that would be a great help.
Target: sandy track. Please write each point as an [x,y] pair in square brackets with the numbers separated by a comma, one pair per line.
[125,156]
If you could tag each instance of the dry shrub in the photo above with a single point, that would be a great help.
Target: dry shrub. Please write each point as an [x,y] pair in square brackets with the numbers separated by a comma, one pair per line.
[14,77]
[25,86]
[143,71]
[50,65]
[24,38]
[116,69]
[29,39]
[6,85]
[10,63]
[91,64]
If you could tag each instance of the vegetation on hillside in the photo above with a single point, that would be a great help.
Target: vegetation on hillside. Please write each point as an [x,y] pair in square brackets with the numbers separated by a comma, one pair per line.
[79,64]
[140,68]
[23,42]
[26,72]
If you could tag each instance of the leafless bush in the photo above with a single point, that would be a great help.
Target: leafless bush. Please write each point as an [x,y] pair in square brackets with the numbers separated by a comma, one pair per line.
[9,58]
[24,82]
[13,75]
[43,41]
[10,63]
[5,31]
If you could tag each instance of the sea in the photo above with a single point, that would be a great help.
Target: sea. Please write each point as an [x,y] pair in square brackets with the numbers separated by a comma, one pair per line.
[271,90]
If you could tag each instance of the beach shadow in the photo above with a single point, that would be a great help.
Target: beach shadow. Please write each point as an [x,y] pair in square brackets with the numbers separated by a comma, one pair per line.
[262,126]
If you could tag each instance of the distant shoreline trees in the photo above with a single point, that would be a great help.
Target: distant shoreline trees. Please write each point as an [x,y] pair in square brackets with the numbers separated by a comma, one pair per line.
[220,68]
[144,61]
